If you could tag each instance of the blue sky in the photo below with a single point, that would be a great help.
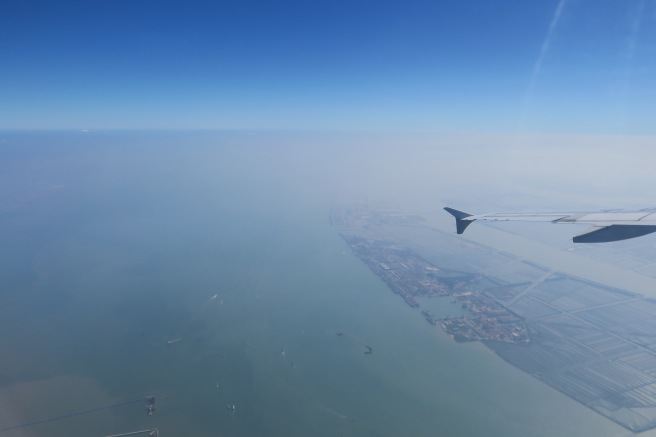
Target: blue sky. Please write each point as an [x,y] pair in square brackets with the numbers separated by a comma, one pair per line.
[456,66]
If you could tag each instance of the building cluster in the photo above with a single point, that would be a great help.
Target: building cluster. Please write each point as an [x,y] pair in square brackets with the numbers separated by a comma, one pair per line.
[404,273]
[488,320]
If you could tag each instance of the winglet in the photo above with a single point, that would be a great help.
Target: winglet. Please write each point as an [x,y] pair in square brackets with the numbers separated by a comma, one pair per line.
[461,224]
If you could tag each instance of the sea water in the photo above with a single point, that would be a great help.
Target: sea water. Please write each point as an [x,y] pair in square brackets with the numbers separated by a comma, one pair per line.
[203,269]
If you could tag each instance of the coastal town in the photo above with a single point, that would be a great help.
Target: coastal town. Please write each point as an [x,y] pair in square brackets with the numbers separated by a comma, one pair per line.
[410,276]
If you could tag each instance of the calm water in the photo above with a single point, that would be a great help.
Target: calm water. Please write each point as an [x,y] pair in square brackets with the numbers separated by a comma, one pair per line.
[113,245]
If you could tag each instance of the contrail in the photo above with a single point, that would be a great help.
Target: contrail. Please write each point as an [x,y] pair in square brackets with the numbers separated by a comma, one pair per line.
[635,30]
[537,67]
[630,54]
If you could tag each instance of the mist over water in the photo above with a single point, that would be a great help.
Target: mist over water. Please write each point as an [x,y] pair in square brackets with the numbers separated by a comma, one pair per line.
[114,244]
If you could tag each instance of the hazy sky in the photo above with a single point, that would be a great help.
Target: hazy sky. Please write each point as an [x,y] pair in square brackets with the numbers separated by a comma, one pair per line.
[560,66]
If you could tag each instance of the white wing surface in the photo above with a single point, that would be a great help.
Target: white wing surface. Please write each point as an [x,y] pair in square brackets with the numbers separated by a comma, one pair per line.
[607,226]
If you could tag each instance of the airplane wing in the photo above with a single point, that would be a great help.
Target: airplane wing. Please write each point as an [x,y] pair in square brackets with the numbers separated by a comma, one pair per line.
[607,226]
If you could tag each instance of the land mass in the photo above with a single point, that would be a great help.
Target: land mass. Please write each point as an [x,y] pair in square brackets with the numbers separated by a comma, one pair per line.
[592,342]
